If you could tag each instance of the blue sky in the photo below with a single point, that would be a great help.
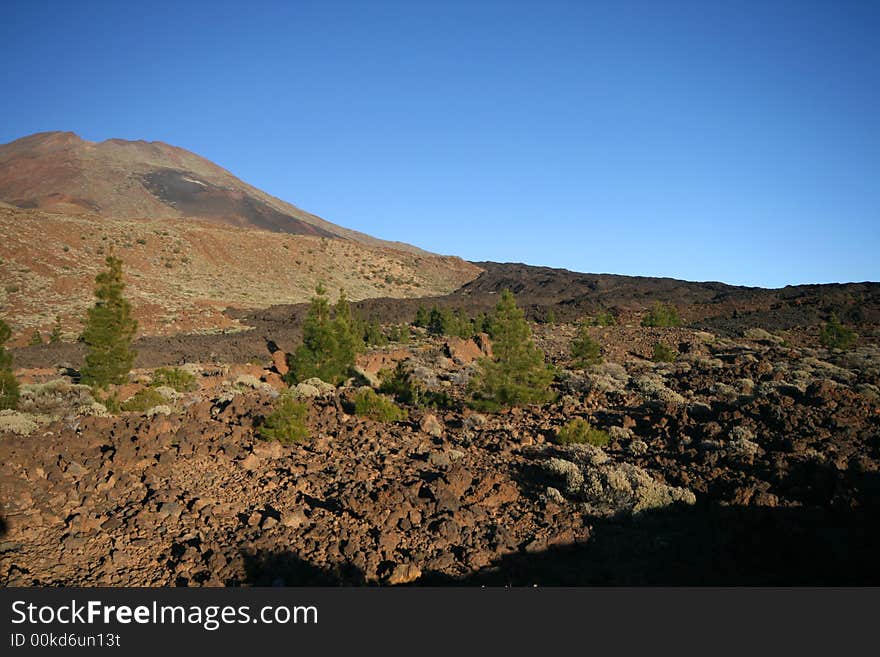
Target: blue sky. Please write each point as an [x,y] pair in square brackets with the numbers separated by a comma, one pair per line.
[731,141]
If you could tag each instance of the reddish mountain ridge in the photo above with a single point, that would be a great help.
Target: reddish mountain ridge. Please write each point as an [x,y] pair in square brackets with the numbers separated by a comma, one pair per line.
[61,172]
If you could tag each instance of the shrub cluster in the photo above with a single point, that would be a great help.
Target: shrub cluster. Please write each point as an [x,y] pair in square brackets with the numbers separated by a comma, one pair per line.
[452,323]
[287,423]
[175,378]
[143,400]
[663,354]
[400,384]
[376,407]
[580,432]
[662,315]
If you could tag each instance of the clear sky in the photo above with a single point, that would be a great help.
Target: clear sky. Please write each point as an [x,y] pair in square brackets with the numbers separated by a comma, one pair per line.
[732,141]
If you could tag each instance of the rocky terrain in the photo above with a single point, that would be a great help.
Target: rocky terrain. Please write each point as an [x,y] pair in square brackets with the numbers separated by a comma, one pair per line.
[749,460]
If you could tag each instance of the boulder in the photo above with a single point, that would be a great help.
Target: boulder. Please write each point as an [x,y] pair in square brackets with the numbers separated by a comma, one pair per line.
[462,352]
[279,360]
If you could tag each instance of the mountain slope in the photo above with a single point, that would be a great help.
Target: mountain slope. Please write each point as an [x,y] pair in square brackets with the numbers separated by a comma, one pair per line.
[183,274]
[60,172]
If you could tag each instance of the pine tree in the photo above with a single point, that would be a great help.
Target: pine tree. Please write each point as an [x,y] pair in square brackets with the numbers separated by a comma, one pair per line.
[55,335]
[834,335]
[329,344]
[438,320]
[662,314]
[109,330]
[8,383]
[347,341]
[584,349]
[517,373]
[462,326]
[421,317]
[36,339]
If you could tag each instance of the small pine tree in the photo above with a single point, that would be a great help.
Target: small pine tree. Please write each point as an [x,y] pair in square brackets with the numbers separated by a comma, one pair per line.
[373,335]
[421,317]
[835,335]
[109,330]
[399,333]
[438,321]
[550,317]
[329,344]
[604,319]
[517,373]
[482,323]
[55,335]
[585,350]
[663,315]
[36,339]
[347,342]
[663,354]
[461,325]
[8,383]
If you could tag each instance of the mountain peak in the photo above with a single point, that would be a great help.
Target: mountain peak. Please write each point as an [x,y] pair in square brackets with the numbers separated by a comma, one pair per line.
[59,171]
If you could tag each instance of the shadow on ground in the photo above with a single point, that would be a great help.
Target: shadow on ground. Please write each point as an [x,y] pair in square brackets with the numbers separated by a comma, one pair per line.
[693,546]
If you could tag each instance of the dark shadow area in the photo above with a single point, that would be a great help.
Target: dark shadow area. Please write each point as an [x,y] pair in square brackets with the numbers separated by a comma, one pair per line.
[705,546]
[287,569]
[3,527]
[835,542]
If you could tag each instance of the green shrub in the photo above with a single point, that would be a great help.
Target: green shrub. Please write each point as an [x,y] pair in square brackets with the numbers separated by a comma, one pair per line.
[143,400]
[585,350]
[399,333]
[663,354]
[36,339]
[604,319]
[377,407]
[579,432]
[8,390]
[663,315]
[400,384]
[287,423]
[8,384]
[174,377]
[517,373]
[835,335]
[109,330]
